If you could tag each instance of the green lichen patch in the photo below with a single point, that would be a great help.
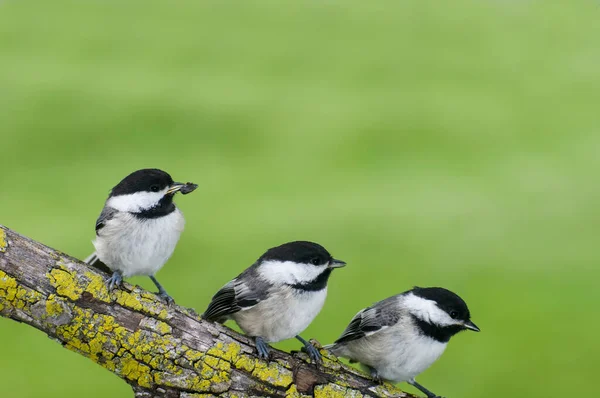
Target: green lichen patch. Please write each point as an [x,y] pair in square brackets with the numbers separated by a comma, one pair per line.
[193,355]
[131,369]
[69,283]
[96,286]
[54,311]
[156,326]
[292,392]
[3,241]
[190,381]
[142,302]
[228,352]
[330,361]
[65,283]
[246,363]
[387,390]
[14,295]
[334,391]
[273,374]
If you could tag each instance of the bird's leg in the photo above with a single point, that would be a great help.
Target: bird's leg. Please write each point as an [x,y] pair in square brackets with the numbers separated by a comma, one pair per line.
[161,291]
[374,374]
[425,391]
[262,348]
[115,280]
[311,350]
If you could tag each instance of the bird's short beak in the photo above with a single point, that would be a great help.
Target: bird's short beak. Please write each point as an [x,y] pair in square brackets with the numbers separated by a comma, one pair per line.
[181,187]
[333,263]
[471,326]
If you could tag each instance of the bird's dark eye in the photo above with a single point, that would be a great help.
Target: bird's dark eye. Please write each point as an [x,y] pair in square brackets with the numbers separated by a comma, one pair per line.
[154,188]
[315,261]
[453,314]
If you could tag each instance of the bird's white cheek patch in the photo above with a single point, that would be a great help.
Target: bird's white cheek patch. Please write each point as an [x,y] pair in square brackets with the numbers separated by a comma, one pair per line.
[136,202]
[428,311]
[288,272]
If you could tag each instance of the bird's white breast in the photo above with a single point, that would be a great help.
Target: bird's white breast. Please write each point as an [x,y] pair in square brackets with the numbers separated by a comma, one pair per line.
[138,246]
[283,315]
[398,353]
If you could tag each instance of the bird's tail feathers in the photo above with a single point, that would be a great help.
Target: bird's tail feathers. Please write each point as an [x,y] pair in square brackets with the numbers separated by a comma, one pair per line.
[91,259]
[95,261]
[334,348]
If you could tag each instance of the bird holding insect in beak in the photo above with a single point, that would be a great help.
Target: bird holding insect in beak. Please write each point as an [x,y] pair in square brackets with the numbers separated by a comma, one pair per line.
[139,226]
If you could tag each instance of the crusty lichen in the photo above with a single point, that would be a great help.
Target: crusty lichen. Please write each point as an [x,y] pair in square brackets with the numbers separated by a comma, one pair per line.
[273,373]
[65,283]
[335,391]
[12,294]
[143,302]
[228,352]
[3,241]
[72,285]
[387,390]
[292,392]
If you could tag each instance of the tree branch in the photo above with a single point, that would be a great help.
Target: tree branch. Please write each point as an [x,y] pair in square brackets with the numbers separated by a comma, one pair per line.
[160,350]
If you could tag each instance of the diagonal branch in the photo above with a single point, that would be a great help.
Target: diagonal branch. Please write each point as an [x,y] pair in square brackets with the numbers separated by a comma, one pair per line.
[160,350]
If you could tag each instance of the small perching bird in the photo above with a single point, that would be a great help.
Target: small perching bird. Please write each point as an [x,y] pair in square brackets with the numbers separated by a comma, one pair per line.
[139,226]
[278,296]
[396,339]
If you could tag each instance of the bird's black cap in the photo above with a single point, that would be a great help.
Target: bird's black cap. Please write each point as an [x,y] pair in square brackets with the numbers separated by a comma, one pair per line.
[298,252]
[149,180]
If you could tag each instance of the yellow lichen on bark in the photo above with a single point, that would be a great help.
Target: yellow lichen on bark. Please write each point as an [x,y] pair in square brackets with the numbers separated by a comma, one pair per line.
[292,392]
[3,241]
[12,294]
[138,355]
[273,373]
[335,391]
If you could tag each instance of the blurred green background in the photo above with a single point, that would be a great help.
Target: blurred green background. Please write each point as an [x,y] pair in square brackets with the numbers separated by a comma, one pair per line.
[453,144]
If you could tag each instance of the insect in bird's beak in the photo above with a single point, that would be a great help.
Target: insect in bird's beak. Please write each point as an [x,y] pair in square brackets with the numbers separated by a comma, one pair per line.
[471,326]
[181,187]
[333,263]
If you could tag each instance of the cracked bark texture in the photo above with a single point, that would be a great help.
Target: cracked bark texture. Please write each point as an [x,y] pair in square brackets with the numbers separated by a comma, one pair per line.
[160,350]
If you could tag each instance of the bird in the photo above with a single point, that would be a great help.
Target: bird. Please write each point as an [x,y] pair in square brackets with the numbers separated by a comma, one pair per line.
[139,227]
[398,338]
[278,296]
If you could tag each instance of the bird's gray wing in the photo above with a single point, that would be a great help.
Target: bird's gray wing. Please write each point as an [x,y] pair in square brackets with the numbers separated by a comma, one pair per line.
[240,294]
[108,213]
[372,319]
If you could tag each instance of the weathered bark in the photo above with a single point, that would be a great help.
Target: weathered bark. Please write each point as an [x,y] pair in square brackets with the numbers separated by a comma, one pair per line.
[160,350]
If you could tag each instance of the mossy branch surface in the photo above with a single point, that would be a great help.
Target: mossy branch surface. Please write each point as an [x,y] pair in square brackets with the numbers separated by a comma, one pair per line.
[160,350]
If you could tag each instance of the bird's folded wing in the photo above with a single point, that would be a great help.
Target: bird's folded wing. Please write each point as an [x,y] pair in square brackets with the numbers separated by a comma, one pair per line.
[371,320]
[235,296]
[108,213]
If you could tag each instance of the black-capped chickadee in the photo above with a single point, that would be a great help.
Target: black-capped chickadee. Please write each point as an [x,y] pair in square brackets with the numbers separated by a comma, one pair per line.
[278,296]
[398,338]
[139,226]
